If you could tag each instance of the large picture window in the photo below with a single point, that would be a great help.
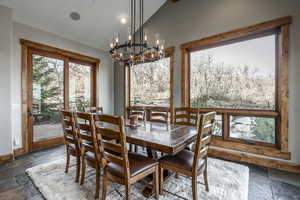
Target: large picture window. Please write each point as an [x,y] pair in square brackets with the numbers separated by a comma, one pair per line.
[239,75]
[243,75]
[150,84]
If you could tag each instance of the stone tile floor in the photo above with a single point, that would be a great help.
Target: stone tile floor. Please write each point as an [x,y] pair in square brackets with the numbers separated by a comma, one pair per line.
[16,185]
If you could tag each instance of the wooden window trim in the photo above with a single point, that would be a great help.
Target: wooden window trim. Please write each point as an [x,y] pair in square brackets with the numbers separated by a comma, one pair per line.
[280,25]
[169,53]
[28,47]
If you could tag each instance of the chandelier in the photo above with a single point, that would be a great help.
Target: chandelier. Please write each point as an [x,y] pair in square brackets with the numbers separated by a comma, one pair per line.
[137,48]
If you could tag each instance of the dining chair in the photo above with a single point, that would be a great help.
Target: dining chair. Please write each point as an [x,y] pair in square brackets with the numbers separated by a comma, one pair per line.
[98,110]
[70,140]
[138,111]
[191,163]
[123,167]
[159,114]
[90,151]
[186,116]
[141,114]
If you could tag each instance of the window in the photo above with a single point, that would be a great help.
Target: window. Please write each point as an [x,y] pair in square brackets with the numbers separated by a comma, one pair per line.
[243,75]
[150,84]
[239,75]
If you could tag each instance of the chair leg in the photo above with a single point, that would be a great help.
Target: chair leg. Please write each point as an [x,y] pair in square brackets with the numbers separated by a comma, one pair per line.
[82,171]
[156,182]
[98,172]
[127,188]
[205,176]
[194,187]
[68,162]
[77,169]
[104,183]
[161,180]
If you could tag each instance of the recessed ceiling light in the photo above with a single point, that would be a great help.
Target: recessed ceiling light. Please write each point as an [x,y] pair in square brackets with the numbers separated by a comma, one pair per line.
[75,16]
[123,20]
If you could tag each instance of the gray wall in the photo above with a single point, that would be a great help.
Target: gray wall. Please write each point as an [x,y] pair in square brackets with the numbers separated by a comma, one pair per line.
[5,78]
[188,20]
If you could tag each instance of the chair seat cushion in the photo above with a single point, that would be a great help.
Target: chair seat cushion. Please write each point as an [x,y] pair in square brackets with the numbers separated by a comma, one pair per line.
[182,160]
[137,164]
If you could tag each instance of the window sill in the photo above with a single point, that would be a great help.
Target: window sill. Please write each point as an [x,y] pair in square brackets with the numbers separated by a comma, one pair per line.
[261,150]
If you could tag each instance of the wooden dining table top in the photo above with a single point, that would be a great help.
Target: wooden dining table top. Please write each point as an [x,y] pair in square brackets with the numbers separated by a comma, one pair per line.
[166,138]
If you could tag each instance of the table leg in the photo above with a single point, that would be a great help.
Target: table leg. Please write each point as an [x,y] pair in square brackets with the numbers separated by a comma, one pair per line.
[149,190]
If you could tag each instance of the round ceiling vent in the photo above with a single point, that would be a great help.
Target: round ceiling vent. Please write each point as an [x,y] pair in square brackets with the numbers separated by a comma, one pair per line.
[75,16]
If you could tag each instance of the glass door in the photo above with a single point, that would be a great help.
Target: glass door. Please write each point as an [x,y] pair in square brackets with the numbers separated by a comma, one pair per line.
[80,82]
[47,99]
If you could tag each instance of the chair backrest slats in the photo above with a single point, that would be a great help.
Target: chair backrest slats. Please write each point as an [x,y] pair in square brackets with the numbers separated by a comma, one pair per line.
[85,127]
[69,128]
[111,146]
[186,116]
[112,128]
[109,133]
[98,110]
[115,159]
[159,114]
[87,134]
[138,111]
[205,127]
[70,140]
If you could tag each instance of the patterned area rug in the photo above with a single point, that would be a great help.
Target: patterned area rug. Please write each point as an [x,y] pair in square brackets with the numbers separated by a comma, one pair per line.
[227,181]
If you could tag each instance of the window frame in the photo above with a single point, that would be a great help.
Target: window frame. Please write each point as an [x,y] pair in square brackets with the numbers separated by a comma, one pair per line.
[281,28]
[169,53]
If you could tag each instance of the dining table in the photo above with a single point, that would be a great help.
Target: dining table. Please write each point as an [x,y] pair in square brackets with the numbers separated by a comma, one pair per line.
[169,139]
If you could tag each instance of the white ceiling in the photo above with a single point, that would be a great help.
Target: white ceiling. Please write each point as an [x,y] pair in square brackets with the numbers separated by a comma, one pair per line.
[99,18]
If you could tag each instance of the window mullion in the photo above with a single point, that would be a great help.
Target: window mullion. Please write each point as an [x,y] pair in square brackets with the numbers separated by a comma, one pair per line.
[226,122]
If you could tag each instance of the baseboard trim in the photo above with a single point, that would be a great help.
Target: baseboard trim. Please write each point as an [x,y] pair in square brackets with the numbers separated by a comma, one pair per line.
[6,158]
[254,159]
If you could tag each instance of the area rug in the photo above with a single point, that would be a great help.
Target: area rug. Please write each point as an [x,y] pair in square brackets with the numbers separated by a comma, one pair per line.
[227,181]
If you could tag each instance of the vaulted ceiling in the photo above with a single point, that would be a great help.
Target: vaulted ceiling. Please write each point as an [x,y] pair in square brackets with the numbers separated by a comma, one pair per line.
[99,19]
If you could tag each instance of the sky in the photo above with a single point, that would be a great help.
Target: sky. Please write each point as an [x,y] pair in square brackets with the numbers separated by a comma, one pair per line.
[256,53]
